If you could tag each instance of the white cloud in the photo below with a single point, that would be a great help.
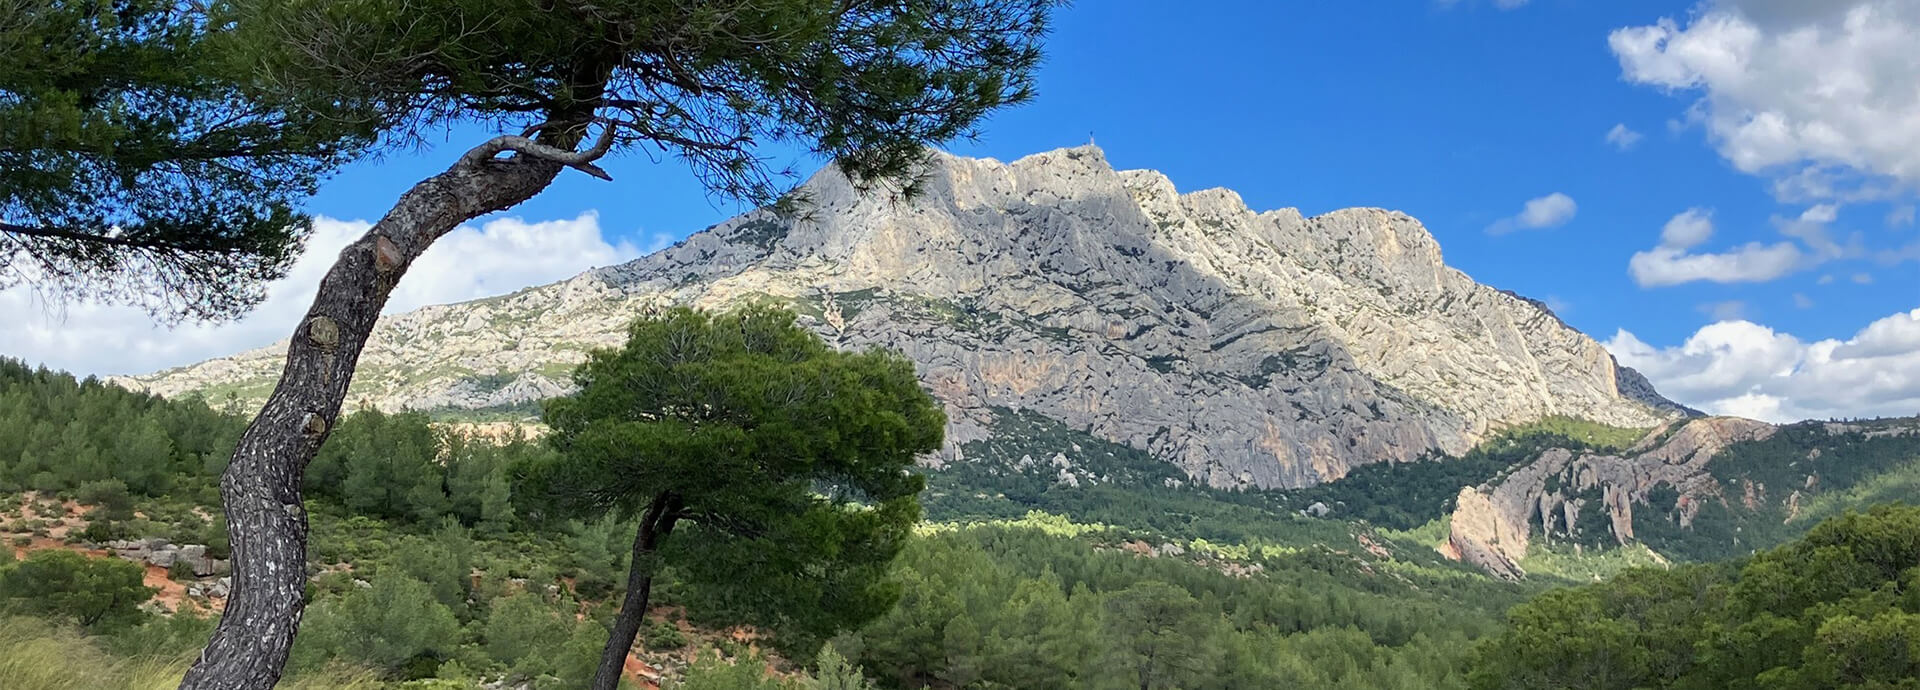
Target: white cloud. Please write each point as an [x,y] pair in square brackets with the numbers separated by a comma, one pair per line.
[1811,228]
[1746,369]
[1825,280]
[1900,215]
[1687,229]
[501,256]
[1863,278]
[1550,211]
[1749,263]
[1674,262]
[1622,138]
[1801,301]
[1785,87]
[1730,310]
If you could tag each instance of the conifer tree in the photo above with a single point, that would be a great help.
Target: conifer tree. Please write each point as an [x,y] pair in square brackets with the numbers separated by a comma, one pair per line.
[758,461]
[866,83]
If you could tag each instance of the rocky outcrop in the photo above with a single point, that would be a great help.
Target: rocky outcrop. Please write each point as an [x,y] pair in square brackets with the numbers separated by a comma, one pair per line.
[162,553]
[1246,348]
[1493,525]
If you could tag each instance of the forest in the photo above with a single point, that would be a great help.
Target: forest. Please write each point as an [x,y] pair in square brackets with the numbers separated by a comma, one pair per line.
[428,571]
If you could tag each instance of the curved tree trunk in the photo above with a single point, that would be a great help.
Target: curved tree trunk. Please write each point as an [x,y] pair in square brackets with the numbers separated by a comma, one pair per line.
[654,528]
[261,487]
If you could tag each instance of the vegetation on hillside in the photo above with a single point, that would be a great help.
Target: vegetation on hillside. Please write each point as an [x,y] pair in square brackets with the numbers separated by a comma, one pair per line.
[1769,491]
[426,572]
[423,568]
[1836,609]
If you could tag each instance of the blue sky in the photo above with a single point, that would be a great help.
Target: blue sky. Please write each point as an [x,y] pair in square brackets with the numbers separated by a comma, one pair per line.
[1460,113]
[1457,115]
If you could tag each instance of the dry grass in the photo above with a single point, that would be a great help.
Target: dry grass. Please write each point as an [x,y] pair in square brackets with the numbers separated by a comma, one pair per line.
[37,655]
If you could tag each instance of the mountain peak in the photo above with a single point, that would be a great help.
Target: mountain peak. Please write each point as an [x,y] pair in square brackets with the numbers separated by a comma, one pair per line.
[1245,349]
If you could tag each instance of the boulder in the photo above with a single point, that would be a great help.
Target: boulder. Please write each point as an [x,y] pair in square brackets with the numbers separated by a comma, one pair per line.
[196,556]
[163,557]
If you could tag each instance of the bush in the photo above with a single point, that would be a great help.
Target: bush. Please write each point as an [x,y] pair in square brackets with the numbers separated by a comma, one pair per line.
[521,631]
[747,672]
[93,592]
[99,531]
[394,625]
[109,497]
[664,635]
[181,571]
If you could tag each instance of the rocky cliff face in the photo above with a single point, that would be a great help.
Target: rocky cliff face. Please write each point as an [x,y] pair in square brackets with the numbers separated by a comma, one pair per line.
[1248,349]
[1493,525]
[1698,489]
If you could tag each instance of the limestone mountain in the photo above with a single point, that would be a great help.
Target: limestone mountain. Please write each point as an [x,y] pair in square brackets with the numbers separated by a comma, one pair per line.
[1696,490]
[1246,349]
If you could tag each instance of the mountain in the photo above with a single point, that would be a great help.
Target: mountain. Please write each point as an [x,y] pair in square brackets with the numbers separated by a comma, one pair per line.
[1245,349]
[1699,490]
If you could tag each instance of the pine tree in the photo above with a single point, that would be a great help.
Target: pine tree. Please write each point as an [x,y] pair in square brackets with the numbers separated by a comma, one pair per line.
[785,460]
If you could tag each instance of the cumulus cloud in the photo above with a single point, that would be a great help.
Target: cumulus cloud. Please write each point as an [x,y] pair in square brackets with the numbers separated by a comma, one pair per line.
[469,263]
[1752,262]
[1687,229]
[1550,211]
[1622,138]
[1673,262]
[1823,93]
[1749,370]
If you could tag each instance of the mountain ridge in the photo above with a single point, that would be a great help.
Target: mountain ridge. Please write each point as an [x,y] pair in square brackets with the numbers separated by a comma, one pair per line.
[1249,349]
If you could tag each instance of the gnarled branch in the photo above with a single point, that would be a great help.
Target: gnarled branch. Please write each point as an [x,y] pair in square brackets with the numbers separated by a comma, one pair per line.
[578,160]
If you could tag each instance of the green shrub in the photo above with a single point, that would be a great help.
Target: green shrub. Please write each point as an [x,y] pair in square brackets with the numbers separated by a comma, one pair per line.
[521,631]
[93,592]
[99,531]
[181,571]
[393,625]
[664,635]
[746,672]
[109,497]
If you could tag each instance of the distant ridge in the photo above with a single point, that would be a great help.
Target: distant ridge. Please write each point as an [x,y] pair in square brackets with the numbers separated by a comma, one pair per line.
[1247,349]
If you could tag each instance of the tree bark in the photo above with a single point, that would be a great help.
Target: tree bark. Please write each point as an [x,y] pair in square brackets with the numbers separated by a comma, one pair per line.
[261,487]
[654,528]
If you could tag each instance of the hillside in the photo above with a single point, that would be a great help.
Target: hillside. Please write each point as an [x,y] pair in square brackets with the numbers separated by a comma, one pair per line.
[421,566]
[424,576]
[1242,349]
[1700,490]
